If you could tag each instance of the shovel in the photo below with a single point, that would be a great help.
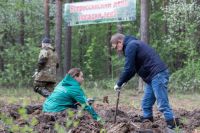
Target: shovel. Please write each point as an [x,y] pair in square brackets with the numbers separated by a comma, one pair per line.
[116,109]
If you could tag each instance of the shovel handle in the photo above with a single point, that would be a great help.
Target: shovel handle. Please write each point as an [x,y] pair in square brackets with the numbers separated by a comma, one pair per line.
[116,109]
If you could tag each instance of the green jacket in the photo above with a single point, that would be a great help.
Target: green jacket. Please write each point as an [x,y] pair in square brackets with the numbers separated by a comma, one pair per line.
[65,95]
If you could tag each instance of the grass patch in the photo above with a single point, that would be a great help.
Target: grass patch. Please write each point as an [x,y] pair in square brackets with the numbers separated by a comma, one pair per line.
[19,96]
[128,97]
[186,101]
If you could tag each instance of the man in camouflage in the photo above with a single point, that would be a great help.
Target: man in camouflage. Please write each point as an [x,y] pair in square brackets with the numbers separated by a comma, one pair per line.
[45,75]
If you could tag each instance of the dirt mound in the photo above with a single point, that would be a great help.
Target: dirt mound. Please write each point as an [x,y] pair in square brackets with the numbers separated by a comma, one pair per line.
[15,118]
[190,119]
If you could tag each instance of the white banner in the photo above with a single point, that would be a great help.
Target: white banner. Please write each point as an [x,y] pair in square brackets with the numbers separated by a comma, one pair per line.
[101,11]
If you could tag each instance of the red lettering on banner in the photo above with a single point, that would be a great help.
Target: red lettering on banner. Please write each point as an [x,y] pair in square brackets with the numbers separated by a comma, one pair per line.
[120,3]
[110,14]
[78,8]
[89,17]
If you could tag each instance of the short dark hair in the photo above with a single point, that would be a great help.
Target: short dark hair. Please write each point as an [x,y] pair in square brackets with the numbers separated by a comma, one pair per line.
[74,72]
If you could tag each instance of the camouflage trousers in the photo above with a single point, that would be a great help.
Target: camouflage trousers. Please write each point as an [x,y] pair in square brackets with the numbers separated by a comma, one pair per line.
[43,88]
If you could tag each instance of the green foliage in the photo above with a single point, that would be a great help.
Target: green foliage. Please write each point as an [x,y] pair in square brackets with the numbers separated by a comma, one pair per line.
[181,41]
[117,64]
[95,55]
[8,122]
[184,120]
[20,64]
[10,125]
[17,59]
[103,130]
[60,129]
[71,122]
[26,129]
[108,84]
[181,45]
[9,20]
[173,33]
[186,79]
[34,122]
[22,112]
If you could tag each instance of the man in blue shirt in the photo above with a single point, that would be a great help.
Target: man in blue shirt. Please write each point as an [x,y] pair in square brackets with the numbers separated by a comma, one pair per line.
[140,58]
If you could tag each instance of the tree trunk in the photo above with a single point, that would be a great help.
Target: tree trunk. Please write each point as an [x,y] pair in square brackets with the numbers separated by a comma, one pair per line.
[198,2]
[119,27]
[165,29]
[47,20]
[109,62]
[80,45]
[144,30]
[58,36]
[22,23]
[198,31]
[144,21]
[1,60]
[67,53]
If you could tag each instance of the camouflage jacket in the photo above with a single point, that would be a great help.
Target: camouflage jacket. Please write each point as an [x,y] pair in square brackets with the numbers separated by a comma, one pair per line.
[47,73]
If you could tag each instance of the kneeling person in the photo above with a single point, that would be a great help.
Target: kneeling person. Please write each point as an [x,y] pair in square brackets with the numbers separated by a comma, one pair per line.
[68,93]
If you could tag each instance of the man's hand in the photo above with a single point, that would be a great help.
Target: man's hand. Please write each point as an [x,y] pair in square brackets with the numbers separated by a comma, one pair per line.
[117,88]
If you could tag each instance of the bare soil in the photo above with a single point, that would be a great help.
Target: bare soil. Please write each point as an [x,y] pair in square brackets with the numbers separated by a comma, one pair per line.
[128,120]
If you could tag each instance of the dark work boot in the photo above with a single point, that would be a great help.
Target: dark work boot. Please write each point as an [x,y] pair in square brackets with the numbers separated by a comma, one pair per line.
[36,89]
[146,119]
[43,91]
[173,123]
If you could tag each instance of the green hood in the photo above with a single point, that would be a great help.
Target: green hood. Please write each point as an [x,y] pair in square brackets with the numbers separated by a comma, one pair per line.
[69,81]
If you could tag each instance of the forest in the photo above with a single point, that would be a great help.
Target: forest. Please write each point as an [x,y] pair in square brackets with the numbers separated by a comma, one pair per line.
[171,27]
[173,30]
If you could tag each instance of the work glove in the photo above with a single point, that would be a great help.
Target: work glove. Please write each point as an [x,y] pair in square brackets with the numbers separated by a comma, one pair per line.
[90,101]
[117,88]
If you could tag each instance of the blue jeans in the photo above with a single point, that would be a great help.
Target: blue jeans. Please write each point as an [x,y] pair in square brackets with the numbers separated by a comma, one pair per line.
[157,90]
